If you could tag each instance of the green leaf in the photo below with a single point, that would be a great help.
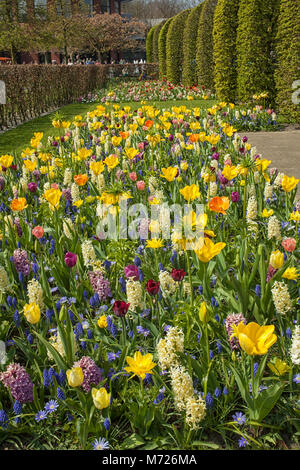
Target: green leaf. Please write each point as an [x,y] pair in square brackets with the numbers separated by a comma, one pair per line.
[132,442]
[266,400]
[57,357]
[210,445]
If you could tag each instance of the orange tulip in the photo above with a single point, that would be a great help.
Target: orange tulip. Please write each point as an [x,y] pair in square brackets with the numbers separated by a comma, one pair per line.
[124,135]
[219,204]
[194,138]
[81,180]
[38,232]
[148,124]
[18,204]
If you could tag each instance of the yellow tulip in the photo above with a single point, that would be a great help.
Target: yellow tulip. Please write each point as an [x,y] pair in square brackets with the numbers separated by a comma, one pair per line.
[6,160]
[116,141]
[265,213]
[36,139]
[75,376]
[112,161]
[109,198]
[84,153]
[253,338]
[295,216]
[263,164]
[203,313]
[190,193]
[230,172]
[184,166]
[53,196]
[140,365]
[131,153]
[101,398]
[97,167]
[155,243]
[78,203]
[278,367]
[229,130]
[102,322]
[169,173]
[291,274]
[288,184]
[276,259]
[209,250]
[32,313]
[213,139]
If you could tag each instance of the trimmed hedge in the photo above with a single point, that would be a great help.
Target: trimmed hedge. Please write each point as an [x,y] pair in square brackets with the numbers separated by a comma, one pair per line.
[288,58]
[204,55]
[162,43]
[32,90]
[189,75]
[255,48]
[157,30]
[174,48]
[225,55]
[149,45]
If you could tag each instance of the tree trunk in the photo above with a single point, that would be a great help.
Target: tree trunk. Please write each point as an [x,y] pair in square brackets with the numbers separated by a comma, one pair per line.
[13,54]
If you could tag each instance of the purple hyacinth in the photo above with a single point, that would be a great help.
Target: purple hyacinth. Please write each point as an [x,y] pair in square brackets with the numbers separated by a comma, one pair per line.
[67,194]
[100,284]
[91,372]
[18,227]
[20,259]
[19,382]
[233,319]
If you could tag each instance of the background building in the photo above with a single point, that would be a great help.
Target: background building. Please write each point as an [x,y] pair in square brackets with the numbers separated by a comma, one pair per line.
[26,11]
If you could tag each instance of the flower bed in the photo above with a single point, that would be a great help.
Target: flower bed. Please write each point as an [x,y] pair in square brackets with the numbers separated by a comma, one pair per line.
[151,90]
[129,323]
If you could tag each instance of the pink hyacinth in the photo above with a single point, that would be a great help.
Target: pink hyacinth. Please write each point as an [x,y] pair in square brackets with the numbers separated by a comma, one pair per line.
[19,382]
[91,372]
[233,319]
[100,285]
[20,259]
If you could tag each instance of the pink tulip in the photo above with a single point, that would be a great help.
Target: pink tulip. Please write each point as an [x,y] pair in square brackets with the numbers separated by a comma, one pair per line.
[133,176]
[140,185]
[289,244]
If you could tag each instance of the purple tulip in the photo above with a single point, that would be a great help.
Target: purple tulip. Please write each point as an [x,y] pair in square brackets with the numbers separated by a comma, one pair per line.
[131,271]
[235,196]
[32,187]
[70,259]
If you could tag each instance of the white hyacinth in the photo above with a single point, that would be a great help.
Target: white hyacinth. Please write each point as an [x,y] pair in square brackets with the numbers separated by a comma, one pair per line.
[167,284]
[4,282]
[134,294]
[252,208]
[295,348]
[281,297]
[68,176]
[274,228]
[35,293]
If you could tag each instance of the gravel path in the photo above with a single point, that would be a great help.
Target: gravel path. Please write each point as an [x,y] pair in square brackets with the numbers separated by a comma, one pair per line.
[282,147]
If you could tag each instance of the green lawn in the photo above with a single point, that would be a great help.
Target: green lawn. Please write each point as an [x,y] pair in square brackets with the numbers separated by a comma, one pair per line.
[15,140]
